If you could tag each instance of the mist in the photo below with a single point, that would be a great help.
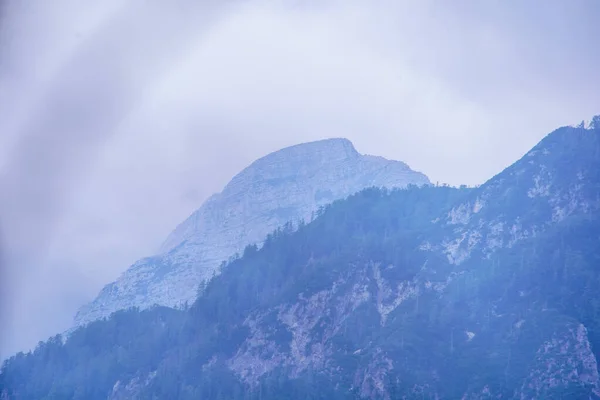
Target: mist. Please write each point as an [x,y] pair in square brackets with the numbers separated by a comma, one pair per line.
[119,118]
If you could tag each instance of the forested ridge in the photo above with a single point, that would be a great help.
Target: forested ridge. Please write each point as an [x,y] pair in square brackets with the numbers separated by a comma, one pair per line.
[424,292]
[134,343]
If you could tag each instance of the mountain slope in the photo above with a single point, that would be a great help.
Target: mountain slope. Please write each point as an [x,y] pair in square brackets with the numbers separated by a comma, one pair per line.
[366,302]
[554,180]
[287,185]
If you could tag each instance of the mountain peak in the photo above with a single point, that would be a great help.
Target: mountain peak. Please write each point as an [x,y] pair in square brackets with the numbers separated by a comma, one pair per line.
[569,141]
[337,146]
[303,158]
[287,185]
[556,179]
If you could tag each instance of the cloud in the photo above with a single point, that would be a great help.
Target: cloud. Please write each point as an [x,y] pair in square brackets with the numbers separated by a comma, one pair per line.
[121,117]
[62,108]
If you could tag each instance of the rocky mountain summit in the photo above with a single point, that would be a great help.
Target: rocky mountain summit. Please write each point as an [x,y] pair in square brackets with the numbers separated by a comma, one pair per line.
[287,185]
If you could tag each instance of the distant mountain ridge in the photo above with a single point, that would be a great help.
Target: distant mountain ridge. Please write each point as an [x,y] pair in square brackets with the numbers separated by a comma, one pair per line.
[421,293]
[287,185]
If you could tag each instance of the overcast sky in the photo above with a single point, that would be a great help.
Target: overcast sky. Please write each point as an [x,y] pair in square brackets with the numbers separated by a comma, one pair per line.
[118,118]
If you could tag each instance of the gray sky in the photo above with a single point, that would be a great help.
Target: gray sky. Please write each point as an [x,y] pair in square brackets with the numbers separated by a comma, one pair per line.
[119,117]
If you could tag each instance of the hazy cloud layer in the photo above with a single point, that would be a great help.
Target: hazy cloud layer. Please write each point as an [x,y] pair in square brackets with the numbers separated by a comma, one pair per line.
[119,117]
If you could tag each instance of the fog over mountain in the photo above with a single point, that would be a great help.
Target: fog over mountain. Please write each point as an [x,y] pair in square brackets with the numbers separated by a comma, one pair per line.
[119,118]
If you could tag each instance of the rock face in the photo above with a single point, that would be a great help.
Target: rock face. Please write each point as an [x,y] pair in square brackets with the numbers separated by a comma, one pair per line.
[287,185]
